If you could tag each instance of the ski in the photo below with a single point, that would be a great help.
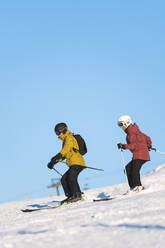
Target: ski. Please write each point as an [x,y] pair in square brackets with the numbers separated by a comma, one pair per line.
[37,209]
[118,196]
[28,210]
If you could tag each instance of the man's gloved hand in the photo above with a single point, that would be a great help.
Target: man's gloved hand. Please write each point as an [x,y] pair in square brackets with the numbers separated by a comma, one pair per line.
[50,165]
[120,146]
[54,161]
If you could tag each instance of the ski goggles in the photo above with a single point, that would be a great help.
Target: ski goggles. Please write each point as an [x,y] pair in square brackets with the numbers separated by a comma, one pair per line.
[120,124]
[57,132]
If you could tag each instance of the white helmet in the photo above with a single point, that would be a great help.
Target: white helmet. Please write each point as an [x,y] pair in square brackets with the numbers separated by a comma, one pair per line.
[124,120]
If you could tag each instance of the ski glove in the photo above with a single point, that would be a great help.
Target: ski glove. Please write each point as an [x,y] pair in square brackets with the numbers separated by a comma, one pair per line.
[150,148]
[54,161]
[120,146]
[50,165]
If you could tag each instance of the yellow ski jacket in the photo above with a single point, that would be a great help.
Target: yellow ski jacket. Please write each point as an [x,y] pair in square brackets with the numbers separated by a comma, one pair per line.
[69,144]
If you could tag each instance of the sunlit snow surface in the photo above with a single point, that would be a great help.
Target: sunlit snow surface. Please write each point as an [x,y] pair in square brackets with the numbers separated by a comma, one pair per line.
[131,221]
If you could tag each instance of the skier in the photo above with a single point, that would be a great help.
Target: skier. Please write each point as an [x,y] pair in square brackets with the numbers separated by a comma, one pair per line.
[139,144]
[74,160]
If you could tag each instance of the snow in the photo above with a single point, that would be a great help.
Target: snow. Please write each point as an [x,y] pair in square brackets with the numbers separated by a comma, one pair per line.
[135,220]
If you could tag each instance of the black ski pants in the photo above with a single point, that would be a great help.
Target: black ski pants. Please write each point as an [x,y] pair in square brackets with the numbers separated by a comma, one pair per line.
[69,180]
[133,172]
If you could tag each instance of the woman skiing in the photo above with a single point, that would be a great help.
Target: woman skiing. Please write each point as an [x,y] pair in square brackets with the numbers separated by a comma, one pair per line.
[139,144]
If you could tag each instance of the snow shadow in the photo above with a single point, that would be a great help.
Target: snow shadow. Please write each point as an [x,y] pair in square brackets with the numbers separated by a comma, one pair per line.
[23,232]
[158,227]
[38,206]
[135,226]
[41,205]
[102,195]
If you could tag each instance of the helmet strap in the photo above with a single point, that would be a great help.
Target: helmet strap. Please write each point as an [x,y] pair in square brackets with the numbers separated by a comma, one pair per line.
[124,127]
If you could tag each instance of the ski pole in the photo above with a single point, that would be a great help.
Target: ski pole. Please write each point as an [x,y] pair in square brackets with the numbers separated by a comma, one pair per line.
[87,167]
[154,149]
[123,161]
[94,168]
[57,172]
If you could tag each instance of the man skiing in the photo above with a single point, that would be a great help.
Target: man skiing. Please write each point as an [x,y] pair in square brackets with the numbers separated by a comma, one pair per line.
[139,144]
[74,160]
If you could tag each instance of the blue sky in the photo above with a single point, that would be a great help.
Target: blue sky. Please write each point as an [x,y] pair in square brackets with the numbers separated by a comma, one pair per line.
[84,63]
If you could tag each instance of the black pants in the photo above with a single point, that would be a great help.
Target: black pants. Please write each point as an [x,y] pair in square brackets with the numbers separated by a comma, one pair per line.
[133,172]
[69,180]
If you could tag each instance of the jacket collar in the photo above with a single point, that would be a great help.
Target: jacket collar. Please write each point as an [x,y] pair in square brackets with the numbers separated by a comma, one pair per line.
[65,135]
[132,129]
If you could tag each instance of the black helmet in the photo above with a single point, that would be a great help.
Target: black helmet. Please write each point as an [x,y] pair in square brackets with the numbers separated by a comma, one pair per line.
[60,128]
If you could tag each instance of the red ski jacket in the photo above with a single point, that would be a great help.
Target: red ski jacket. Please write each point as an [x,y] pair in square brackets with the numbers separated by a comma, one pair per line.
[138,143]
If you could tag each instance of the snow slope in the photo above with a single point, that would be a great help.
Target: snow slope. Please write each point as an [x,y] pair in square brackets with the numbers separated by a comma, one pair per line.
[131,221]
